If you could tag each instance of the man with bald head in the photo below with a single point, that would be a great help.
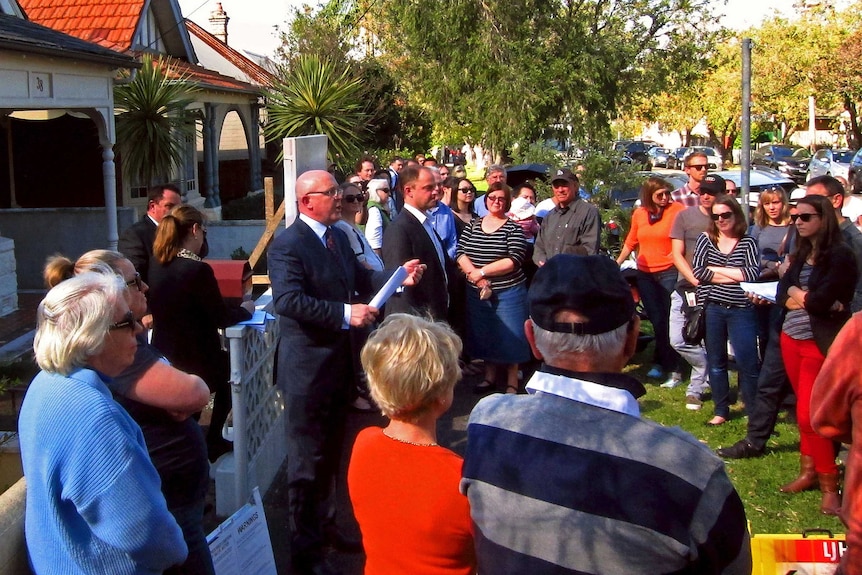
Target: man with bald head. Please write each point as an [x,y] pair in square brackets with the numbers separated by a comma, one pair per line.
[315,276]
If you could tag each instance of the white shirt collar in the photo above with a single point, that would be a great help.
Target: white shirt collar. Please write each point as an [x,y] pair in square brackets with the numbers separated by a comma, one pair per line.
[318,228]
[584,391]
[417,213]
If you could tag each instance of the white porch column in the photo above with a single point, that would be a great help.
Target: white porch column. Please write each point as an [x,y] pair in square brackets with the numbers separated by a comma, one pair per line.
[109,181]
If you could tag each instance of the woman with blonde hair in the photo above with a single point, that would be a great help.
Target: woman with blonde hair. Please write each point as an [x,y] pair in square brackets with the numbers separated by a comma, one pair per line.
[188,311]
[771,230]
[161,399]
[93,498]
[402,483]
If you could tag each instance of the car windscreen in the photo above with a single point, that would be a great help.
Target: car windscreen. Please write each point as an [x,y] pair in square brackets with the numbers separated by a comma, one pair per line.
[843,157]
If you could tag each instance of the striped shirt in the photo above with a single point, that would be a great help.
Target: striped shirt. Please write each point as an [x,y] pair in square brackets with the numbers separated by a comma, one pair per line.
[744,256]
[507,241]
[561,486]
[797,322]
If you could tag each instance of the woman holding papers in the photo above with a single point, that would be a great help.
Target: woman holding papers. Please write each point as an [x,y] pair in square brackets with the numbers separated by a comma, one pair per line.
[817,283]
[491,254]
[403,485]
[188,310]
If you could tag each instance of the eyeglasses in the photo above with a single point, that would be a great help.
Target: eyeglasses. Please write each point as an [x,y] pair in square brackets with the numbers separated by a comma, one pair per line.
[128,322]
[722,215]
[137,282]
[331,192]
[698,166]
[804,217]
[500,199]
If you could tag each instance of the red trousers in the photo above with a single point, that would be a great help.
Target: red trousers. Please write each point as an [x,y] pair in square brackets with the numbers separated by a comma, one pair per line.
[803,360]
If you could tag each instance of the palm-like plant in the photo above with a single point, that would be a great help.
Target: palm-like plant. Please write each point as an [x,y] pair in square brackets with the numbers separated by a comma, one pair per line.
[153,123]
[313,97]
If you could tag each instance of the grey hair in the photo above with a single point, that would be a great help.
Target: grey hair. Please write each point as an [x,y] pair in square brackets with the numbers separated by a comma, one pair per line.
[553,345]
[73,319]
[372,189]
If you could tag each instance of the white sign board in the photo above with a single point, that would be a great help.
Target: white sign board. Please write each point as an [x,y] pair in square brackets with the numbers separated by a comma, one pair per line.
[241,544]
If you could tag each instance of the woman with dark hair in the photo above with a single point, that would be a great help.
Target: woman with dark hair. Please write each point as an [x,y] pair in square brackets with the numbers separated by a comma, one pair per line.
[491,254]
[817,284]
[724,256]
[188,311]
[656,276]
[461,202]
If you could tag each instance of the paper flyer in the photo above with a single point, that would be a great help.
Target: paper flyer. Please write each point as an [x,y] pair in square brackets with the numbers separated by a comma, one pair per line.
[766,290]
[241,544]
[389,288]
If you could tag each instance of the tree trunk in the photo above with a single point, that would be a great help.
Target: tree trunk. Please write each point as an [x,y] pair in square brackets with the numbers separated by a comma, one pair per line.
[850,106]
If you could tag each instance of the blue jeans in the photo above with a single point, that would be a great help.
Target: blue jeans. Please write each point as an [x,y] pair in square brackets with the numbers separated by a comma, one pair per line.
[655,289]
[739,325]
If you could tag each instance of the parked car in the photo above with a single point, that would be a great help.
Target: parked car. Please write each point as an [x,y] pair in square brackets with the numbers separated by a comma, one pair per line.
[713,158]
[658,156]
[828,162]
[854,173]
[759,180]
[676,158]
[635,151]
[791,161]
[629,197]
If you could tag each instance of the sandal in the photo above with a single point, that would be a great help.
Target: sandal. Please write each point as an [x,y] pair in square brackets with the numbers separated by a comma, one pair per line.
[716,421]
[512,390]
[484,386]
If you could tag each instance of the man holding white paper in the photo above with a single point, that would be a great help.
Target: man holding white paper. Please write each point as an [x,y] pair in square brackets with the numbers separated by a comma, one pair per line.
[315,276]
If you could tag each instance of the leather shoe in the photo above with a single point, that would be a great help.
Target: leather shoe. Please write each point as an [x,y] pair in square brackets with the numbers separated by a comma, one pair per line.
[742,449]
[343,543]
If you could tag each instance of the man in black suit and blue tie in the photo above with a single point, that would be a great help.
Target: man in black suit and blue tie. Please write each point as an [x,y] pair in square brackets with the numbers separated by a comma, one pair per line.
[314,276]
[410,236]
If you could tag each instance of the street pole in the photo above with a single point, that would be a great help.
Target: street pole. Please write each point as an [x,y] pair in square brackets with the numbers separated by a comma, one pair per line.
[745,159]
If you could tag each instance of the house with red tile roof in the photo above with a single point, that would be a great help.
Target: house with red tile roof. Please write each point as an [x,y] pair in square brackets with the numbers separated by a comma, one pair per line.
[157,26]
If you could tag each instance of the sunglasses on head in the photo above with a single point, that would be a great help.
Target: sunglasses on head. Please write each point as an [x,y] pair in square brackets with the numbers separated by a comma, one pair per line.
[128,322]
[804,217]
[722,215]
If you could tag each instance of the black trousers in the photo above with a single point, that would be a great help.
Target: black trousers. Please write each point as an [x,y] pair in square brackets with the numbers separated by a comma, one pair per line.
[773,387]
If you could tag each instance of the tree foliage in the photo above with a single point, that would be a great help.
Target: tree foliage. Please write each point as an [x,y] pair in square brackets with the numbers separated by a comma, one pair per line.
[152,121]
[314,97]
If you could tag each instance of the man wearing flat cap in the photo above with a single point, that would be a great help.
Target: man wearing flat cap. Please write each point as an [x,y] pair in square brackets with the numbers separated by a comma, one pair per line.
[570,479]
[572,227]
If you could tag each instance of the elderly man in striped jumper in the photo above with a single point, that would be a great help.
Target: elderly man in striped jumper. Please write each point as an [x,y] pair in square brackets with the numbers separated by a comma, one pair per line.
[569,479]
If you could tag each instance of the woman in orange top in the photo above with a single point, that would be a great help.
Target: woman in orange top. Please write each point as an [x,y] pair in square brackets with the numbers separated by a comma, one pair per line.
[403,485]
[650,236]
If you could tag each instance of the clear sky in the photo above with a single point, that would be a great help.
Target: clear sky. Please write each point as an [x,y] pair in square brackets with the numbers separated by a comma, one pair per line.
[252,22]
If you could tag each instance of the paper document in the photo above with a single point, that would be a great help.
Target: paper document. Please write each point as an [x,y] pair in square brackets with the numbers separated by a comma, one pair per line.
[258,320]
[241,544]
[389,288]
[766,290]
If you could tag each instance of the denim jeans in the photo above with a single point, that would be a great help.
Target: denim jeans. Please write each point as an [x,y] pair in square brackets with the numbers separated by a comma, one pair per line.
[655,290]
[739,325]
[190,519]
[693,354]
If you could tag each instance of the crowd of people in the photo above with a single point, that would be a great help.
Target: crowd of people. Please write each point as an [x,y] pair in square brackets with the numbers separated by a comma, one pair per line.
[548,484]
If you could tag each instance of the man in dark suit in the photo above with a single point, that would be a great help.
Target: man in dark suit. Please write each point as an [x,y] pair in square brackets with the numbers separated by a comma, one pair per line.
[410,236]
[136,242]
[314,276]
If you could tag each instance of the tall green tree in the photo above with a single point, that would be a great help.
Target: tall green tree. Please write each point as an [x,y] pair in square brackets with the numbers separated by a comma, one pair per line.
[153,123]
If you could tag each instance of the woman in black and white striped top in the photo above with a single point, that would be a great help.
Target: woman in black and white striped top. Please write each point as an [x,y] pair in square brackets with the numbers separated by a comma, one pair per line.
[491,253]
[724,256]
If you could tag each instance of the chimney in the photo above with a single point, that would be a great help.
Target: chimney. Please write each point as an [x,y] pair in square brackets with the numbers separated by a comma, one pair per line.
[218,23]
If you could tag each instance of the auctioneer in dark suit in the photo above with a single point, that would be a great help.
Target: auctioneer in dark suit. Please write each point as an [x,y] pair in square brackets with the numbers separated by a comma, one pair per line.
[136,243]
[406,239]
[314,366]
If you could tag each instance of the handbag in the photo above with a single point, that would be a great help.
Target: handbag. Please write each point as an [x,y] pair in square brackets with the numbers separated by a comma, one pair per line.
[694,327]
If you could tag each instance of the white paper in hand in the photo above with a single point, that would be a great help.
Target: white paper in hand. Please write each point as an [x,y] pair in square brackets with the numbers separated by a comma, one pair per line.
[389,288]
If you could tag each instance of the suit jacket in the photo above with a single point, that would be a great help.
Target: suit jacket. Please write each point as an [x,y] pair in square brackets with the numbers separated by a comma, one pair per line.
[136,243]
[187,311]
[310,287]
[406,239]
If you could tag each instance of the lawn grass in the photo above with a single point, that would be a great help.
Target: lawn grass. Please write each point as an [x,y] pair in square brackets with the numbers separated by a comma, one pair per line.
[756,480]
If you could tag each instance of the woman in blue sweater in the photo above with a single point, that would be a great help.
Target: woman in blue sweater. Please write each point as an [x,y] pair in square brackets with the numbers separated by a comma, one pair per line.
[93,498]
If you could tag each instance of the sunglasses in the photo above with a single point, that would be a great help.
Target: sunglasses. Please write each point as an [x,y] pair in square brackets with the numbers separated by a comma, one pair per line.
[137,281]
[698,167]
[128,322]
[804,217]
[465,190]
[662,194]
[722,215]
[351,198]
